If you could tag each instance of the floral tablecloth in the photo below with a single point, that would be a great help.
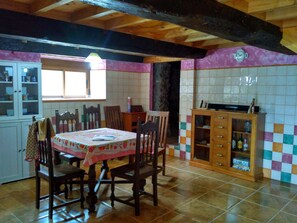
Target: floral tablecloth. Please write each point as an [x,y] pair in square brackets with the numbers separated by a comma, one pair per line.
[81,144]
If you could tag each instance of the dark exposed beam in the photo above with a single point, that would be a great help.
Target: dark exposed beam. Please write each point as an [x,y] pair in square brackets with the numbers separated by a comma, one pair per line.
[28,46]
[207,16]
[53,32]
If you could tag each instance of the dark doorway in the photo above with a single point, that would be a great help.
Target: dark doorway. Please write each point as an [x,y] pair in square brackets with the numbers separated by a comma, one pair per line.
[166,95]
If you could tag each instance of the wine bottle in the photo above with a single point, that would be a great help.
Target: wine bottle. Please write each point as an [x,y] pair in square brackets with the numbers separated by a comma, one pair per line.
[239,143]
[233,143]
[245,144]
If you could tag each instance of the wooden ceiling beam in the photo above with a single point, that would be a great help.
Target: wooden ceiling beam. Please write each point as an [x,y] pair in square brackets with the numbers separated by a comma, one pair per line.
[62,33]
[289,38]
[208,16]
[124,21]
[46,5]
[282,13]
[267,5]
[89,13]
[29,46]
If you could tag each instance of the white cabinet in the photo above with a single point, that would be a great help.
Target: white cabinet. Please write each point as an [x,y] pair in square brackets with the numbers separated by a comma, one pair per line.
[13,141]
[20,90]
[20,99]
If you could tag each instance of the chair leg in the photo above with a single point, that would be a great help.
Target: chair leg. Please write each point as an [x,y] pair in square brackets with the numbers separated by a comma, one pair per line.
[51,200]
[37,198]
[82,199]
[155,190]
[164,162]
[136,198]
[112,191]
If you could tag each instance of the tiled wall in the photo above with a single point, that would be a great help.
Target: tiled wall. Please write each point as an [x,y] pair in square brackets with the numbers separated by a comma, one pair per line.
[275,90]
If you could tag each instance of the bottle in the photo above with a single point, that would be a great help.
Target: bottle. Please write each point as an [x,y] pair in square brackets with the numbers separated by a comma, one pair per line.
[252,106]
[129,104]
[247,126]
[239,143]
[245,144]
[233,143]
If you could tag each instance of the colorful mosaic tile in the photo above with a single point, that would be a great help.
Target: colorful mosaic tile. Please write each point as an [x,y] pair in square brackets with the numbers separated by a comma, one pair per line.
[295,130]
[278,128]
[268,136]
[286,177]
[277,147]
[294,169]
[189,118]
[183,125]
[188,133]
[288,139]
[295,149]
[276,165]
[267,155]
[188,148]
[287,158]
[183,155]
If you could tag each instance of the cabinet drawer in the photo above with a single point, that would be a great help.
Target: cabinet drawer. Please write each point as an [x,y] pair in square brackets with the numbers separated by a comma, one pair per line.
[220,145]
[221,162]
[220,134]
[220,119]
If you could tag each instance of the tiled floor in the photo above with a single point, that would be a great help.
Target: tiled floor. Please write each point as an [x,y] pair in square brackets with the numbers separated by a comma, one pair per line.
[186,194]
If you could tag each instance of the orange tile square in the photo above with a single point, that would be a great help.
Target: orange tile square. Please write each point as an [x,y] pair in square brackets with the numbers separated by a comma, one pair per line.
[277,147]
[278,128]
[182,140]
[188,133]
[171,152]
[294,169]
[266,173]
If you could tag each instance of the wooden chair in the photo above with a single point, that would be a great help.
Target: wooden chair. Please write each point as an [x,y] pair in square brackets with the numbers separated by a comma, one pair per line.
[113,117]
[145,165]
[163,117]
[55,174]
[68,122]
[92,117]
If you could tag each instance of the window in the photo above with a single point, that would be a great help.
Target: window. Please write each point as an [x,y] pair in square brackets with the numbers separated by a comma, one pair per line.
[60,84]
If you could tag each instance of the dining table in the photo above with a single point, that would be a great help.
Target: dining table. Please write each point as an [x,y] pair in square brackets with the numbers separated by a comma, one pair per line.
[92,146]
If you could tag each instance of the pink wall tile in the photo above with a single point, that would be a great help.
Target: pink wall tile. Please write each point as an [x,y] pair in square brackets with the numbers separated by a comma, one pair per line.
[19,56]
[187,65]
[128,66]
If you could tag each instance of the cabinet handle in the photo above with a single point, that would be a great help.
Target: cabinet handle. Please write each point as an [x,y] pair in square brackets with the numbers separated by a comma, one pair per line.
[20,91]
[220,127]
[220,145]
[24,150]
[15,91]
[219,136]
[219,164]
[220,117]
[20,150]
[219,155]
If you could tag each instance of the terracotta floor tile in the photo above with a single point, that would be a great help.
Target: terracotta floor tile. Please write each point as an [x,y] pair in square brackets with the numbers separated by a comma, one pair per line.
[278,190]
[268,200]
[174,217]
[230,218]
[219,200]
[235,190]
[291,208]
[253,211]
[284,218]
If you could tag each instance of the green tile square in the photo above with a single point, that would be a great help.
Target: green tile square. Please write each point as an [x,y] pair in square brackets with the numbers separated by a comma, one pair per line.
[295,150]
[176,147]
[286,177]
[183,125]
[188,148]
[288,139]
[267,155]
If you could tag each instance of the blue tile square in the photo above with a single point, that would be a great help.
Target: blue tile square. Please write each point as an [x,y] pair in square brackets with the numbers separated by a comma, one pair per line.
[188,148]
[286,177]
[183,125]
[288,139]
[176,147]
[267,154]
[295,150]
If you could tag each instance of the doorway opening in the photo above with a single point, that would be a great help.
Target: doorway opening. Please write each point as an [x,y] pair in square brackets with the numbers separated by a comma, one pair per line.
[166,77]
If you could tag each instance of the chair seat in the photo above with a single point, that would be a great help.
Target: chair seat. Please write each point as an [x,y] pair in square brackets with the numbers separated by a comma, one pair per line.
[69,158]
[62,171]
[127,171]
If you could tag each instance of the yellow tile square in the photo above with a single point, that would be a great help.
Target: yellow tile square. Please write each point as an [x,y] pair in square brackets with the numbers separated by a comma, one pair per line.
[171,152]
[278,128]
[277,147]
[294,169]
[182,140]
[266,173]
[188,133]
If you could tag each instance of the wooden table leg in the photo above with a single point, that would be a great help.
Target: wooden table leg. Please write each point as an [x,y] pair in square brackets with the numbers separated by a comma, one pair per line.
[92,198]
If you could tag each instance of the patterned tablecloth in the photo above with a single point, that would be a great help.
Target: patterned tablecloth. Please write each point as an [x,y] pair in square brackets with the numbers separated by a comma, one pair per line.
[81,144]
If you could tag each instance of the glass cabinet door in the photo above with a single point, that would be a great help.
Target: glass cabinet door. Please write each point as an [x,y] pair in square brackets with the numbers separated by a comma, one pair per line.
[202,138]
[28,79]
[241,144]
[8,90]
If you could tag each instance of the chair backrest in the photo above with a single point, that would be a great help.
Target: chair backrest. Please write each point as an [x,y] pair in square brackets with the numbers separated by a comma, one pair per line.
[92,117]
[45,154]
[163,117]
[113,117]
[147,141]
[67,122]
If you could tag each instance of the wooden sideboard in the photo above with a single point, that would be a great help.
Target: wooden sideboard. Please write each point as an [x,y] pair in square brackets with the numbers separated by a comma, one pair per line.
[130,120]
